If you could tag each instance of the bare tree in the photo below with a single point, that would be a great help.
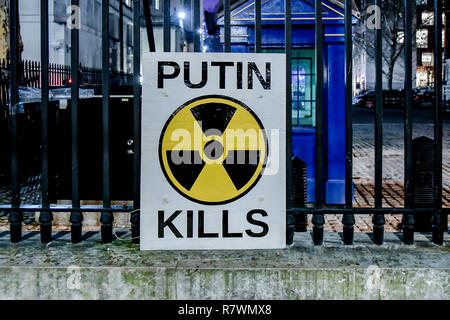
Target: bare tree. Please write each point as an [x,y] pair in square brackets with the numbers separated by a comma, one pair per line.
[392,28]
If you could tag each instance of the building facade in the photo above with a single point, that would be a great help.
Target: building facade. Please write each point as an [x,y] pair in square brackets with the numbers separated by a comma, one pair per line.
[90,32]
[425,43]
[423,46]
[120,31]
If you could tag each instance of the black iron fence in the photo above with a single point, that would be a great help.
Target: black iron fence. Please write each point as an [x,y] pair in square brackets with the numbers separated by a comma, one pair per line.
[15,209]
[59,75]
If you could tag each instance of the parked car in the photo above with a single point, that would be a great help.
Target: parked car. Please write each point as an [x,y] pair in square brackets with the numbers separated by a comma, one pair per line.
[392,99]
[425,97]
[364,99]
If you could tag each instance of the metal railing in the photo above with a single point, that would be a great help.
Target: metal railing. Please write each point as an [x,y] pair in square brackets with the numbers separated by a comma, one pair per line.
[59,74]
[318,212]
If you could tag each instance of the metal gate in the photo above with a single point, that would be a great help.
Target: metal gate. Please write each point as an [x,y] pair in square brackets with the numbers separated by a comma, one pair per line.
[15,209]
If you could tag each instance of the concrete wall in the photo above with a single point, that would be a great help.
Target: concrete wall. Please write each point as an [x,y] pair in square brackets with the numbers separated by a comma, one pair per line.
[90,270]
[189,283]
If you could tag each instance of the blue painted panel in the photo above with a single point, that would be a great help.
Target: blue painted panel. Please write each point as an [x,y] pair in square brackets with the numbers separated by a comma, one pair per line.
[335,186]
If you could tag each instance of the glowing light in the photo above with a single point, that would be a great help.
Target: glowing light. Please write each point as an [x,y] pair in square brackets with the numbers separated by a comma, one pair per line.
[182,15]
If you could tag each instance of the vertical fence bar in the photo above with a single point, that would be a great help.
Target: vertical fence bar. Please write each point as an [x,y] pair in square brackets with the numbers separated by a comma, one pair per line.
[258,33]
[378,219]
[318,219]
[107,217]
[408,219]
[196,26]
[135,219]
[149,26]
[121,42]
[348,219]
[166,25]
[45,217]
[437,220]
[76,217]
[227,26]
[288,50]
[15,218]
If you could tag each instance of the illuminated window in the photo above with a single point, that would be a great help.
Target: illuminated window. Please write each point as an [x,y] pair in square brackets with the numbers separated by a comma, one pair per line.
[422,38]
[427,18]
[422,76]
[303,86]
[427,59]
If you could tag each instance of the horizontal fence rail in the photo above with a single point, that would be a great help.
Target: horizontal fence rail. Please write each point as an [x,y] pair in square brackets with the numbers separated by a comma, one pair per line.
[16,73]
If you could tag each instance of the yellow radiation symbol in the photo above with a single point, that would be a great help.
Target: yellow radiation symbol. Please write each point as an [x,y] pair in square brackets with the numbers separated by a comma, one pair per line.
[213,149]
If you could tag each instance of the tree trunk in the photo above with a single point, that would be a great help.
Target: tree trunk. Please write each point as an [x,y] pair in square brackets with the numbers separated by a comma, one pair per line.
[4,31]
[390,76]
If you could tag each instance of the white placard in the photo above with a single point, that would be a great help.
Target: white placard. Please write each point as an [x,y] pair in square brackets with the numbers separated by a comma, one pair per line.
[213,151]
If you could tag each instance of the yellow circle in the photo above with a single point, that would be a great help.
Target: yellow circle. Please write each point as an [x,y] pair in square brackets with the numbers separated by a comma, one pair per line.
[213,149]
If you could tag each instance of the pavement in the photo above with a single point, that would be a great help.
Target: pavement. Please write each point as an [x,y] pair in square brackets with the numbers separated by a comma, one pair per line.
[363,171]
[90,270]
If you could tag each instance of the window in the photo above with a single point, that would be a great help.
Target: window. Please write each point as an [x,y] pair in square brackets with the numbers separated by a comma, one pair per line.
[303,86]
[427,18]
[427,59]
[422,38]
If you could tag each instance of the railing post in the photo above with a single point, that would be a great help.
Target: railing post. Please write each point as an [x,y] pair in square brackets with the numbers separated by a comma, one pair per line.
[166,25]
[107,217]
[227,26]
[15,217]
[437,221]
[45,217]
[408,219]
[134,219]
[76,217]
[196,27]
[318,218]
[258,29]
[288,40]
[348,219]
[378,219]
